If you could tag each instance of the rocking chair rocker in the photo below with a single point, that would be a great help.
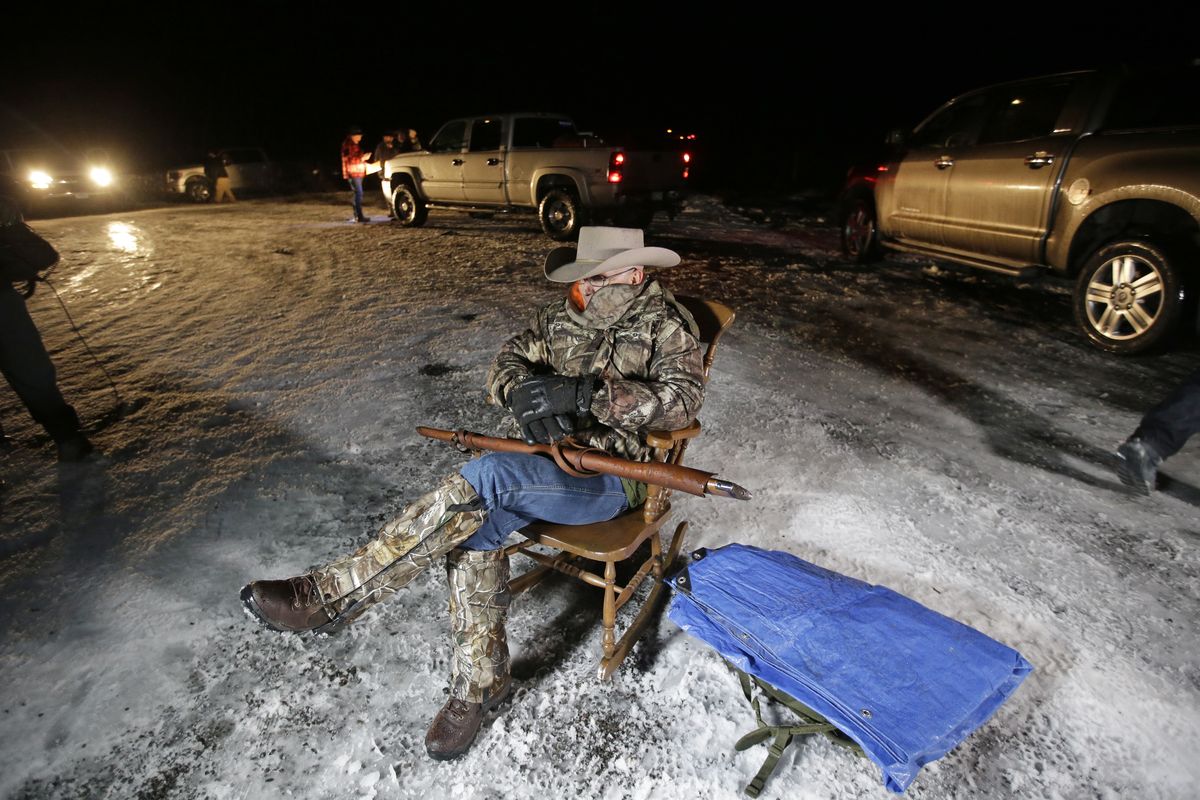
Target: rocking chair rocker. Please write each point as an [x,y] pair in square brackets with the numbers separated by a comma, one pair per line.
[618,539]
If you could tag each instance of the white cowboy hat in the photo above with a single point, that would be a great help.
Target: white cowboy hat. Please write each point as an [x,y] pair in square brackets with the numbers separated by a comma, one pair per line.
[602,250]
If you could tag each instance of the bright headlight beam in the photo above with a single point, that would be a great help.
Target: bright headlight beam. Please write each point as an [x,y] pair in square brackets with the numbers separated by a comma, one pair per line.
[101,176]
[40,180]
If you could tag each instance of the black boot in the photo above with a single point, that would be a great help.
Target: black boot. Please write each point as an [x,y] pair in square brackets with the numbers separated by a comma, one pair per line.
[1138,465]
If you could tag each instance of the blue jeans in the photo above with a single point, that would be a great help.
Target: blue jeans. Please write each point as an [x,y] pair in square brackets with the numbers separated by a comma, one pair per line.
[518,488]
[356,187]
[1169,425]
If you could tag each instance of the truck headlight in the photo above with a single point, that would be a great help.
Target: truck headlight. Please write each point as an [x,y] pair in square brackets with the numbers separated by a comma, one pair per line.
[101,176]
[40,180]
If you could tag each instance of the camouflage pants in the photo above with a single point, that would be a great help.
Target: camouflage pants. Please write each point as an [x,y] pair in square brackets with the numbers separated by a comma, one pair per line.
[427,530]
[479,600]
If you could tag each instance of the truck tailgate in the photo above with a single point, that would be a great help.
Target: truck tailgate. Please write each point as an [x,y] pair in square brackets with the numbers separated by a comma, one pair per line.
[651,171]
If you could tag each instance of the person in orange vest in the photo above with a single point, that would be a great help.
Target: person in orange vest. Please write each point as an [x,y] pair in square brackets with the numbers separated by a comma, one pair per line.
[354,168]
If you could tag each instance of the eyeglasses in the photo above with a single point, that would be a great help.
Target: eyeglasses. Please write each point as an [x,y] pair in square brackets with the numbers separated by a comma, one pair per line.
[600,281]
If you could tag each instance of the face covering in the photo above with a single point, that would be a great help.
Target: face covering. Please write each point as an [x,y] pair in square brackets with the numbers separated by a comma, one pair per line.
[606,306]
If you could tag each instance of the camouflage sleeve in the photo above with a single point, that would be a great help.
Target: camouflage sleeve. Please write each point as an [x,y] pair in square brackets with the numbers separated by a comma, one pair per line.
[672,395]
[516,360]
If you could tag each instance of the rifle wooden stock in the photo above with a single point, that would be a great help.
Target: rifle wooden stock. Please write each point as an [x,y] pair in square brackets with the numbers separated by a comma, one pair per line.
[581,460]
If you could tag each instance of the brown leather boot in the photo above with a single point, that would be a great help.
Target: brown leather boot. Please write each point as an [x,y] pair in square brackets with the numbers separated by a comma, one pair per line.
[455,726]
[292,604]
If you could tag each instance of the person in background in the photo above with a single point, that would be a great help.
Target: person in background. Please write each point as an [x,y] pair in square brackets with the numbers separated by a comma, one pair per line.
[1162,433]
[408,141]
[218,177]
[23,358]
[354,168]
[385,150]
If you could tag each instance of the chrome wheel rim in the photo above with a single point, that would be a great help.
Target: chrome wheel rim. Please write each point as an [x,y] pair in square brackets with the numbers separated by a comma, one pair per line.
[558,215]
[1124,298]
[859,228]
[405,208]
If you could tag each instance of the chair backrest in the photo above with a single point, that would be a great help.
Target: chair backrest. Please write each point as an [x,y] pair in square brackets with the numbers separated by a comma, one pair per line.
[713,318]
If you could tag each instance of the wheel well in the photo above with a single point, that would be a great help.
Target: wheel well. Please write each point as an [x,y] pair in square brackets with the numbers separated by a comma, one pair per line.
[195,179]
[404,177]
[859,192]
[1153,220]
[549,183]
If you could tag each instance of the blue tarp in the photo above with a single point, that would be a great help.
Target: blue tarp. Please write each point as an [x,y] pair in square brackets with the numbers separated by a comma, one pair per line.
[905,682]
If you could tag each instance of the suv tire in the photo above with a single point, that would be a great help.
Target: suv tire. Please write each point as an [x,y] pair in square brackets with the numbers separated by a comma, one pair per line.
[1129,297]
[859,231]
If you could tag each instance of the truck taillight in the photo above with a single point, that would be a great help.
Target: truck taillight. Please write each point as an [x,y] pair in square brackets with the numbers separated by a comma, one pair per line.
[687,161]
[615,162]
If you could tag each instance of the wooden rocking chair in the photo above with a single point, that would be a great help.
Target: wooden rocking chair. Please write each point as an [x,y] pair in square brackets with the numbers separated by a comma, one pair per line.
[617,540]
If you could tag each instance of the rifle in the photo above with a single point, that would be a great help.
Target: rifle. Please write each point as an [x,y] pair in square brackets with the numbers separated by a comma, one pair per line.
[584,462]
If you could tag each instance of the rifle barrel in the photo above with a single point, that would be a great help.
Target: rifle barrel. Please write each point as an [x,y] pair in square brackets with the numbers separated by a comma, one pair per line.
[673,476]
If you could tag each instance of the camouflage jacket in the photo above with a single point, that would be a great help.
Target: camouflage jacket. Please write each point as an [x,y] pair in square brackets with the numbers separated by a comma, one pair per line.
[650,362]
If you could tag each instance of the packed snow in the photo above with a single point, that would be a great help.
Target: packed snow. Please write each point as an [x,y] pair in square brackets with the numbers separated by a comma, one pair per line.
[940,432]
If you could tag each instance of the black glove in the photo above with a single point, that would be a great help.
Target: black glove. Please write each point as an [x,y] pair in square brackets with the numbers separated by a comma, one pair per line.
[547,407]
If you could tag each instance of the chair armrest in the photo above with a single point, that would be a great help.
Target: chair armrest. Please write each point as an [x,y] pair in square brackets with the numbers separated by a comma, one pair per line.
[665,440]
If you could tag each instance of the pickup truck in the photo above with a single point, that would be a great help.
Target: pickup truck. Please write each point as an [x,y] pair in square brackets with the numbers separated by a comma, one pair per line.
[534,162]
[1092,175]
[249,168]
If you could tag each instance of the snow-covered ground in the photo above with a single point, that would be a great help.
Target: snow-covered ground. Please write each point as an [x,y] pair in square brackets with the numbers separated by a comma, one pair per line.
[942,433]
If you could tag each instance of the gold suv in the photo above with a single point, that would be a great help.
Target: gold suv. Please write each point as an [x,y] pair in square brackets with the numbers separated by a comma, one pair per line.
[1090,175]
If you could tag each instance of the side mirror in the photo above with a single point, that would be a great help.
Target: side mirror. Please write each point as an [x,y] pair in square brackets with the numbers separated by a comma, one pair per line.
[896,137]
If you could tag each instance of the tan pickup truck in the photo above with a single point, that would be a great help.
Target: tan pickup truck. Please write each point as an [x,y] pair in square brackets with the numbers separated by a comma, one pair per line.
[535,162]
[1091,175]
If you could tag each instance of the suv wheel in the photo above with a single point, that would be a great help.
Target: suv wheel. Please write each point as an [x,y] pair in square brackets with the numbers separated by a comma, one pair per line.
[199,190]
[1128,297]
[411,212]
[560,215]
[860,236]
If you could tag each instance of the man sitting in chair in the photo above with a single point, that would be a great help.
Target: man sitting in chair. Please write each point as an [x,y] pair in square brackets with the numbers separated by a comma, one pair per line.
[618,357]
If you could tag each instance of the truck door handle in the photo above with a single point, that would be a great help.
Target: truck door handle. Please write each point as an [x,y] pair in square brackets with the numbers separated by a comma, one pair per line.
[1039,159]
[493,162]
[944,162]
[458,162]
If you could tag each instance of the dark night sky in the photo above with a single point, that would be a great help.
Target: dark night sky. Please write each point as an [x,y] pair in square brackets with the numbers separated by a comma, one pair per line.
[806,92]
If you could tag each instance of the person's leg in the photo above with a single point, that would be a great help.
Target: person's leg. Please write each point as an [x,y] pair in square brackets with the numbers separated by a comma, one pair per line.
[517,488]
[1163,431]
[479,679]
[338,593]
[27,367]
[1169,425]
[356,188]
[387,197]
